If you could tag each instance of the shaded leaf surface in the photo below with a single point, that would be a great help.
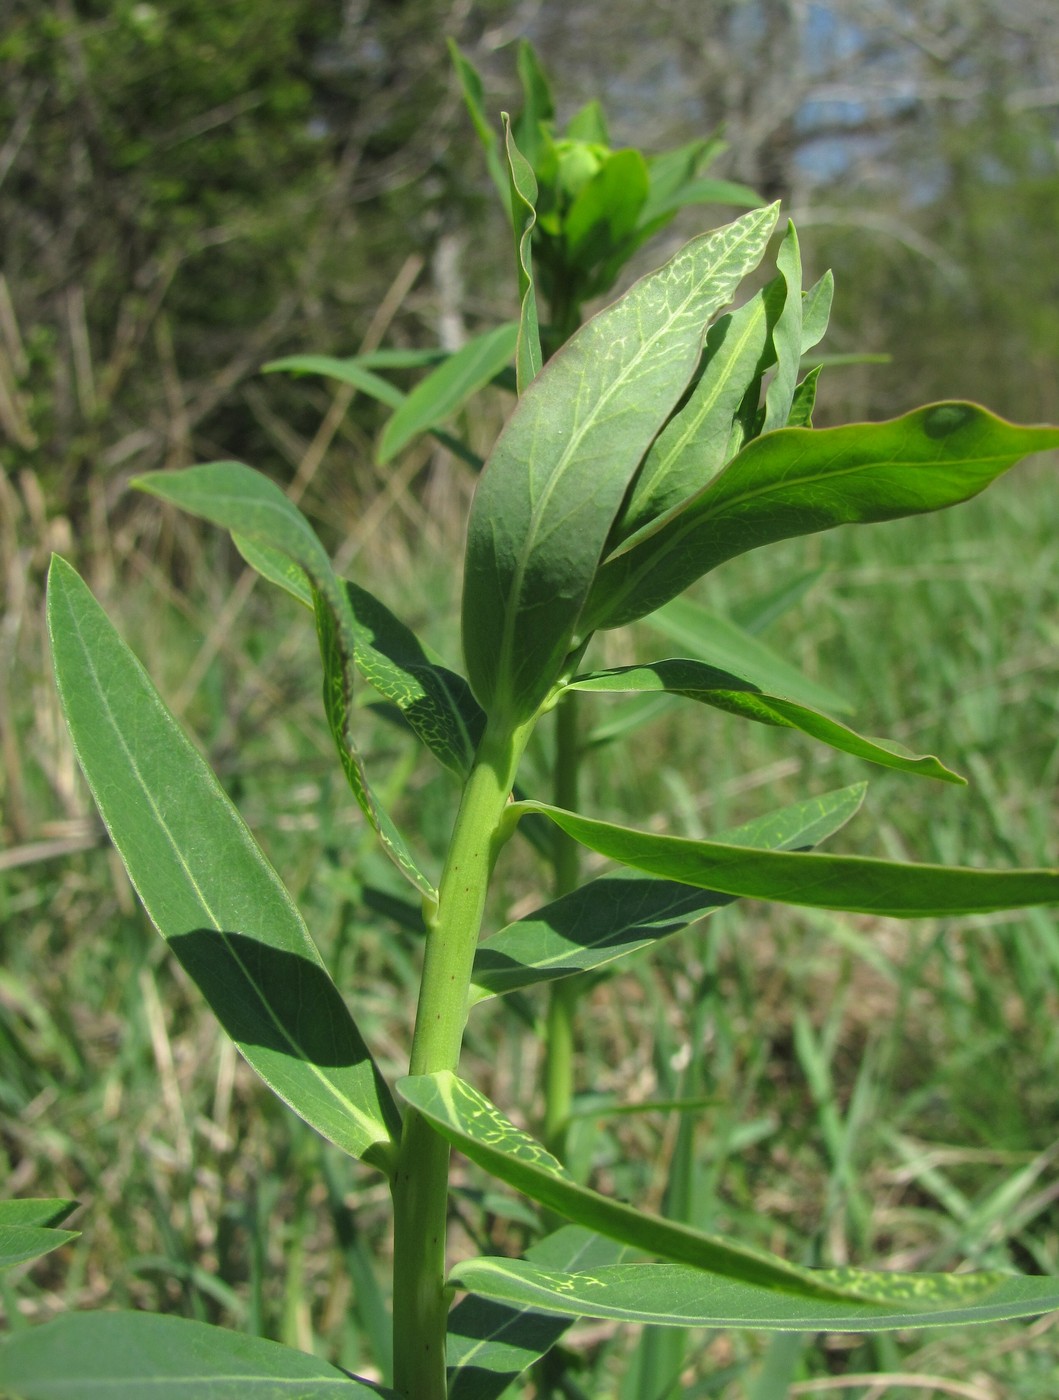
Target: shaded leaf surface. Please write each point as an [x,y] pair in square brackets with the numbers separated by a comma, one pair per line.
[856,884]
[555,480]
[797,481]
[207,886]
[619,914]
[129,1355]
[667,1295]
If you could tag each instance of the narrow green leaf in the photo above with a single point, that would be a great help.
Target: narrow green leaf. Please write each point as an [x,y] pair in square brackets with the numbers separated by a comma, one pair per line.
[490,1344]
[28,1228]
[352,370]
[589,123]
[856,884]
[446,389]
[524,217]
[786,335]
[538,106]
[474,98]
[672,171]
[243,501]
[816,311]
[556,478]
[616,915]
[693,445]
[724,642]
[129,1355]
[669,1295]
[697,681]
[436,702]
[206,885]
[706,191]
[797,481]
[467,1120]
[804,401]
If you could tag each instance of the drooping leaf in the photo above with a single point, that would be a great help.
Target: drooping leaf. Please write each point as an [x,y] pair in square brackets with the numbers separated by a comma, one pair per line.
[692,447]
[616,915]
[243,501]
[555,480]
[524,217]
[796,481]
[130,1355]
[478,1129]
[786,336]
[448,387]
[490,1344]
[724,642]
[709,686]
[28,1228]
[208,888]
[668,1295]
[856,884]
[436,702]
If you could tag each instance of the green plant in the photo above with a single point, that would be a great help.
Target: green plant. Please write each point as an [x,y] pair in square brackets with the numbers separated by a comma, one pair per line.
[665,437]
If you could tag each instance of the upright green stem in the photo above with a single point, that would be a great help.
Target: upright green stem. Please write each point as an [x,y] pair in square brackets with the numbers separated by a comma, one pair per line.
[420,1183]
[562,1004]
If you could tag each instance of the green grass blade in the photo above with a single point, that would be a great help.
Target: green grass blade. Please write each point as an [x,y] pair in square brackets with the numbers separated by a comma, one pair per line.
[556,478]
[446,389]
[855,884]
[524,208]
[797,481]
[667,1295]
[616,915]
[207,886]
[243,501]
[709,686]
[490,1344]
[351,370]
[467,1120]
[129,1355]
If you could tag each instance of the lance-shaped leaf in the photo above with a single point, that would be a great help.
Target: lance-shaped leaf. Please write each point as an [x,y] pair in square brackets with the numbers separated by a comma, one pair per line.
[468,1120]
[709,686]
[786,336]
[489,1344]
[692,447]
[207,886]
[524,217]
[538,106]
[549,494]
[797,481]
[436,702]
[620,914]
[856,884]
[816,311]
[247,503]
[129,1355]
[446,389]
[667,1295]
[804,401]
[28,1228]
[474,97]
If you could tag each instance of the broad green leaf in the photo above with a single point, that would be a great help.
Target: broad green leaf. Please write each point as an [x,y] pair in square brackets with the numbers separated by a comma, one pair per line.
[490,1344]
[797,481]
[28,1228]
[606,211]
[130,1355]
[206,885]
[856,884]
[786,335]
[446,389]
[556,478]
[804,401]
[619,914]
[474,97]
[692,447]
[478,1129]
[816,311]
[247,503]
[436,702]
[669,1295]
[723,642]
[524,217]
[709,686]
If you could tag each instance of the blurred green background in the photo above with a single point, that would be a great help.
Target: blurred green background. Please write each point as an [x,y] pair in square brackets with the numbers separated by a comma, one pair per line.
[190,189]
